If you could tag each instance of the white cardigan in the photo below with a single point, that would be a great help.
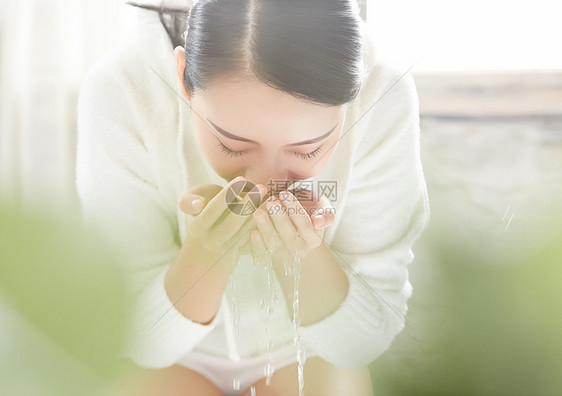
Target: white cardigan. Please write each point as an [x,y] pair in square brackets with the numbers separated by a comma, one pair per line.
[137,156]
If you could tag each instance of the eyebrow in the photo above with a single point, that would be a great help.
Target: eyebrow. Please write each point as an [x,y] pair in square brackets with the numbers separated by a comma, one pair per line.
[240,138]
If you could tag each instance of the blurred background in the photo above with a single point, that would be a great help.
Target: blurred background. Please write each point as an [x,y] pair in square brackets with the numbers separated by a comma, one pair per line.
[485,314]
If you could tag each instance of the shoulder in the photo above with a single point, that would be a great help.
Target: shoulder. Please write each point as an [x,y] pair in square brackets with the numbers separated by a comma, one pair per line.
[145,39]
[387,99]
[385,111]
[137,68]
[135,84]
[386,82]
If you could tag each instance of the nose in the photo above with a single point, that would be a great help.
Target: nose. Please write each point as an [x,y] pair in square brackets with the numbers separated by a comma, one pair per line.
[275,178]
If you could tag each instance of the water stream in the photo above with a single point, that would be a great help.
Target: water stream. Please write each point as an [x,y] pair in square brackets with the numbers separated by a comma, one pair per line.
[235,321]
[301,353]
[266,303]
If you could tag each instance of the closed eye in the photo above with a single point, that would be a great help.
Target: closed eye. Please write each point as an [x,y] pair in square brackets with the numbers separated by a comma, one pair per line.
[233,153]
[309,155]
[230,152]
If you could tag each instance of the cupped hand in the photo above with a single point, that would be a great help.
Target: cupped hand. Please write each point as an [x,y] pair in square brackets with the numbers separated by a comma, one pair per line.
[293,224]
[212,225]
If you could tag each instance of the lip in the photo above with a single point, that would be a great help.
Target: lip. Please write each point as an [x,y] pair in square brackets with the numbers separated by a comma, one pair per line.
[287,184]
[279,190]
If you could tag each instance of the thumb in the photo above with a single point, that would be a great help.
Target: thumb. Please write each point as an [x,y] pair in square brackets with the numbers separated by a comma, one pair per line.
[192,204]
[196,197]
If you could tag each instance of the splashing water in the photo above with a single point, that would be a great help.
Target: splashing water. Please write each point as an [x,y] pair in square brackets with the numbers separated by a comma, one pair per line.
[235,321]
[268,302]
[286,266]
[235,383]
[301,353]
[235,314]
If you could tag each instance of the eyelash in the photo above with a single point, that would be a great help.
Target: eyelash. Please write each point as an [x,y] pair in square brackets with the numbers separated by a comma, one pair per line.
[233,153]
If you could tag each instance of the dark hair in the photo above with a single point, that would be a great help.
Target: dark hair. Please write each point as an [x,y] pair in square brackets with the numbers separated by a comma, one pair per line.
[311,49]
[172,19]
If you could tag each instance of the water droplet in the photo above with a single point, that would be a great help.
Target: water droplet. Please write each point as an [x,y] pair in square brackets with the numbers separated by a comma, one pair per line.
[301,379]
[286,266]
[235,384]
[268,371]
[301,356]
[235,315]
[268,301]
[509,222]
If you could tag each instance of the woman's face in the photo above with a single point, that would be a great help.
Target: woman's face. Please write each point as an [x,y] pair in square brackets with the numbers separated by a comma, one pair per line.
[275,137]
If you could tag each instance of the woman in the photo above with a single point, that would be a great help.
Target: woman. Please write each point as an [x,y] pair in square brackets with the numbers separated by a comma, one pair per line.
[276,92]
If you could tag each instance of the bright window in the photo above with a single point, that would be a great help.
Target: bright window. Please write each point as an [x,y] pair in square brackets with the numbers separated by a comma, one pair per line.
[449,35]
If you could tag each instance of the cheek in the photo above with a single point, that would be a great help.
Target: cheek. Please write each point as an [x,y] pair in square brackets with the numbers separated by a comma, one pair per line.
[207,146]
[217,159]
[310,168]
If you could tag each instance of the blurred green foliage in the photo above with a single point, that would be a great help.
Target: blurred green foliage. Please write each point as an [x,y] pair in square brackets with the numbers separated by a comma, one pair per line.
[62,305]
[487,319]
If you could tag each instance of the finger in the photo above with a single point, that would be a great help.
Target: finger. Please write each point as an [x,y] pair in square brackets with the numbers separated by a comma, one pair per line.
[324,214]
[318,221]
[267,229]
[246,248]
[324,220]
[299,218]
[238,240]
[191,204]
[231,222]
[204,191]
[218,205]
[238,217]
[283,224]
[258,244]
[242,235]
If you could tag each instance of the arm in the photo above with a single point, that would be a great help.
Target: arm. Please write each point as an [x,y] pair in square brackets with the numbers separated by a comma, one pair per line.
[320,273]
[385,212]
[118,193]
[204,276]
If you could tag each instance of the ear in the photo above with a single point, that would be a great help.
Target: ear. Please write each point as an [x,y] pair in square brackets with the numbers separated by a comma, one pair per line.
[179,52]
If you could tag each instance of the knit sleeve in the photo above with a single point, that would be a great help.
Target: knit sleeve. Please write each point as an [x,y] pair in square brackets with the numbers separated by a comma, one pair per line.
[119,194]
[385,211]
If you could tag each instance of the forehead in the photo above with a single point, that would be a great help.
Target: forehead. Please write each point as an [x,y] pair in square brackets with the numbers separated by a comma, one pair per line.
[240,103]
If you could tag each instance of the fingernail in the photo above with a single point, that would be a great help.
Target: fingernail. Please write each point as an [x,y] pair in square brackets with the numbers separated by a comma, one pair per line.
[197,204]
[319,221]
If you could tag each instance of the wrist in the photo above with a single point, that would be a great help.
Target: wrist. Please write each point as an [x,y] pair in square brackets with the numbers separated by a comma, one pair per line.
[207,255]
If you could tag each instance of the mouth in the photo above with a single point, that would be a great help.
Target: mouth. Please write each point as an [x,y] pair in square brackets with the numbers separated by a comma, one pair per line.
[287,186]
[273,188]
